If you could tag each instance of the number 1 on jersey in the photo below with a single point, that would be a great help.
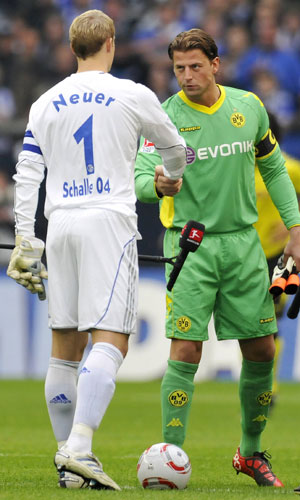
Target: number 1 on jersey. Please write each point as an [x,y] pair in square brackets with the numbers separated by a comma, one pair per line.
[85,132]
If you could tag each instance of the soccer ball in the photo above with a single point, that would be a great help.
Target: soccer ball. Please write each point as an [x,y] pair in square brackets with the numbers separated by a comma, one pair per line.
[164,466]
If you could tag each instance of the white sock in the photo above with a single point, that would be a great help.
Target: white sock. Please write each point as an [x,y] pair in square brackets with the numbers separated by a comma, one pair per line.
[96,387]
[61,395]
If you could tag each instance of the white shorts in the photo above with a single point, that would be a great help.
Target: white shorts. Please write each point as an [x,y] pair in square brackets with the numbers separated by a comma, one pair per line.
[93,270]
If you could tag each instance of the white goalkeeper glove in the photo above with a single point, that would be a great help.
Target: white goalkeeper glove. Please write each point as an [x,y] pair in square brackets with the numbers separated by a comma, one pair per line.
[25,265]
[282,271]
[281,281]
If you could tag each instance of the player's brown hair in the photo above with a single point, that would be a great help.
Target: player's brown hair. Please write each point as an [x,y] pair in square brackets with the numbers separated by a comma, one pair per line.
[194,39]
[89,31]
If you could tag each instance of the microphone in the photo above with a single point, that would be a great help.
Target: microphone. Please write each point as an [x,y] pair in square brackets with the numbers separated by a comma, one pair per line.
[190,239]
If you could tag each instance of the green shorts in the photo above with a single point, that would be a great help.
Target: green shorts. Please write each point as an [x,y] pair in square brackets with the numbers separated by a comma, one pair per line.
[228,277]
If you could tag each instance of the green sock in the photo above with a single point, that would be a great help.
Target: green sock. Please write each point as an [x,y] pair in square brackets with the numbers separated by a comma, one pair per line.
[255,390]
[176,398]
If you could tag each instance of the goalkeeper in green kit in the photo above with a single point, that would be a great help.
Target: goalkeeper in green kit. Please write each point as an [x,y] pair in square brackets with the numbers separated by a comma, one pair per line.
[226,131]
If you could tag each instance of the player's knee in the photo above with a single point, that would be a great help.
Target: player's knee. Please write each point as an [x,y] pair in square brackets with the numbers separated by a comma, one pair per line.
[187,351]
[80,350]
[269,354]
[261,349]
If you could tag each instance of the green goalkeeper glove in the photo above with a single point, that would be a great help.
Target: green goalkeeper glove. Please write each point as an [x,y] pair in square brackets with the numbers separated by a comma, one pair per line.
[25,265]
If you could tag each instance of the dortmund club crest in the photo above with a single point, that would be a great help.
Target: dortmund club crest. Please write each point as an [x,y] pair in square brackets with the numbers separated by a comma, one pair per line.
[265,398]
[238,120]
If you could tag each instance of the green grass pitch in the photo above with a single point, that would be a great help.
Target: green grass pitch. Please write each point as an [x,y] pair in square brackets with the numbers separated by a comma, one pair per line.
[131,424]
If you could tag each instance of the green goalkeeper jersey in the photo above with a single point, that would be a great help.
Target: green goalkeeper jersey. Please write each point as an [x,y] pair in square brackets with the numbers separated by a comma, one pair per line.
[223,144]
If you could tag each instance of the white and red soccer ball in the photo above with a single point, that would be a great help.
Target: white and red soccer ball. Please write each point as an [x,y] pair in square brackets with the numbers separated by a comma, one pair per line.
[164,466]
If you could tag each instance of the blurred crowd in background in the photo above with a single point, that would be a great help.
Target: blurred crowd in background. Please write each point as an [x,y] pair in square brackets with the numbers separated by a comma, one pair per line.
[259,46]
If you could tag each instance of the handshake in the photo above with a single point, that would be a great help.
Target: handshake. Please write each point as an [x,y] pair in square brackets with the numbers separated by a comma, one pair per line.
[285,278]
[26,266]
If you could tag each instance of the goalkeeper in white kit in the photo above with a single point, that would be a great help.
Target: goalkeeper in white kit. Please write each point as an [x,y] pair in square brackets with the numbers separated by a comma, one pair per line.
[85,131]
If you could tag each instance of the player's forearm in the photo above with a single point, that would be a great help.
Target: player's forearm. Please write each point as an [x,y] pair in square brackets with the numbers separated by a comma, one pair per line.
[26,199]
[174,161]
[145,188]
[284,197]
[27,183]
[280,187]
[292,248]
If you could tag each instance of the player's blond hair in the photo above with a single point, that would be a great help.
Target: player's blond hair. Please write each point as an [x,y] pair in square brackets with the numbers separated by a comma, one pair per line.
[89,31]
[194,39]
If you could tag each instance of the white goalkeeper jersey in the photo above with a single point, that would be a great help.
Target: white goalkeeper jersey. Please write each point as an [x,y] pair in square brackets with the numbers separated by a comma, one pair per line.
[85,132]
